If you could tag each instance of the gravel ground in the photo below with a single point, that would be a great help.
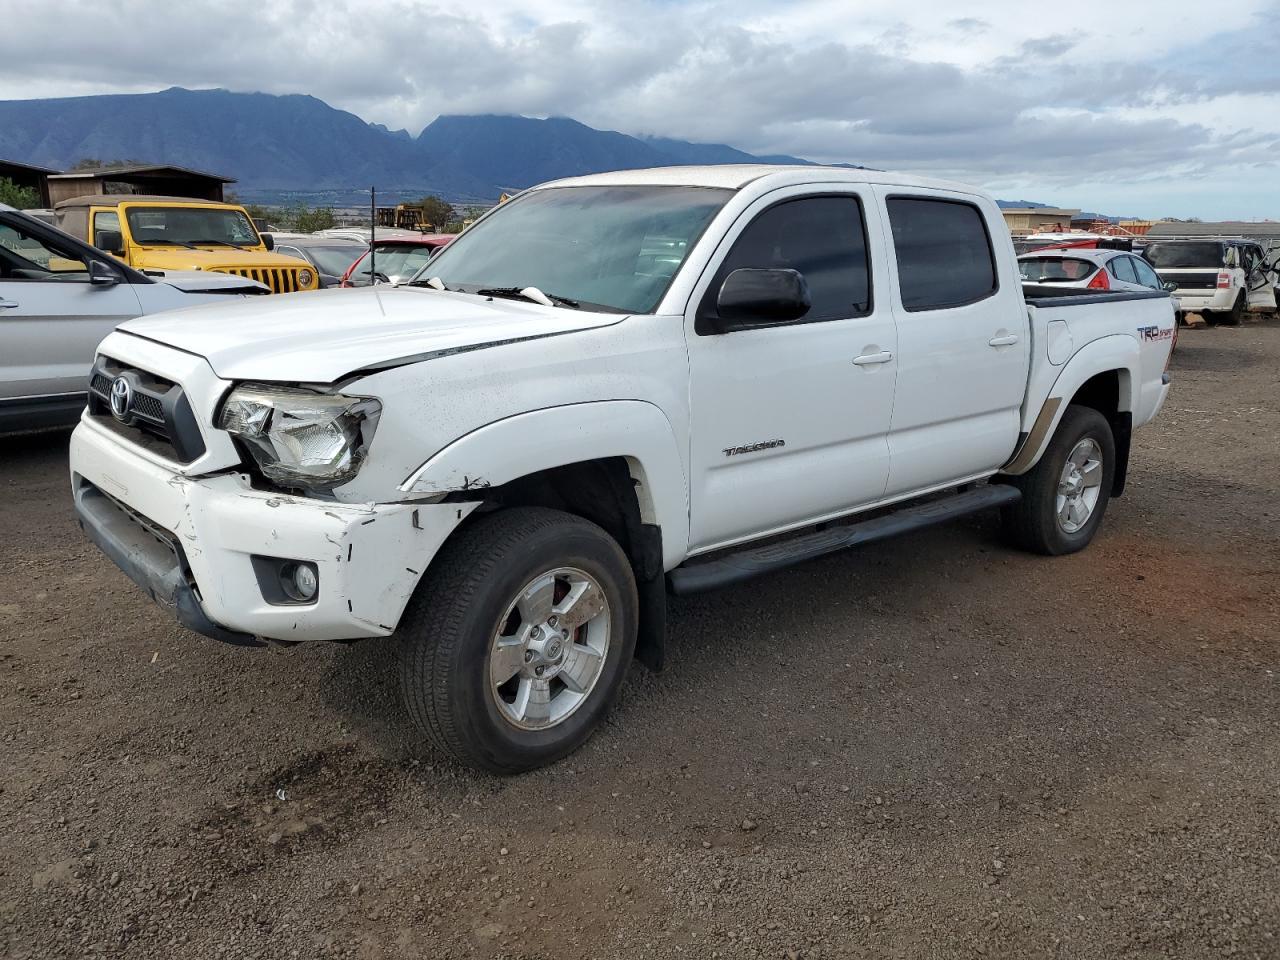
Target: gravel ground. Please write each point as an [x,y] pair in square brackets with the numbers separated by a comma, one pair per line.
[934,747]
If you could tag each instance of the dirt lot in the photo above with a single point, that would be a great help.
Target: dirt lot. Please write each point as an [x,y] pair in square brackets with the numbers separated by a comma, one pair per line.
[934,747]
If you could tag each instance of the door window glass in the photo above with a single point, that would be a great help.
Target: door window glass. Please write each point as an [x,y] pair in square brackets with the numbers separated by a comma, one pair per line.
[25,256]
[1122,269]
[944,253]
[1146,276]
[104,220]
[822,238]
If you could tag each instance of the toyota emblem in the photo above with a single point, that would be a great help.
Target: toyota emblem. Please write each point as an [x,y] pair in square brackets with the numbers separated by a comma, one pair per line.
[121,398]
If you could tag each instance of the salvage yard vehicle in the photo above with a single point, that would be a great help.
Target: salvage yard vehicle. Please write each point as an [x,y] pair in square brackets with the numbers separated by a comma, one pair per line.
[331,257]
[1091,270]
[1220,279]
[58,299]
[178,233]
[395,260]
[607,388]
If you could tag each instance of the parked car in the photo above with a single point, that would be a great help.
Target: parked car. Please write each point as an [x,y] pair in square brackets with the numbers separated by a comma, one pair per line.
[362,234]
[1219,279]
[330,257]
[1086,269]
[178,233]
[508,461]
[395,260]
[58,299]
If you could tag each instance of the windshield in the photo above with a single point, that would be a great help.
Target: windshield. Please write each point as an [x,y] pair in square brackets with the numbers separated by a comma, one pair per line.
[1184,255]
[1054,269]
[334,260]
[190,225]
[396,263]
[611,248]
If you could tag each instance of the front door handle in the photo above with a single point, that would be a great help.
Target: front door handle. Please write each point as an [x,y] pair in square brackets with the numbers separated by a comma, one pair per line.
[8,304]
[870,359]
[1008,340]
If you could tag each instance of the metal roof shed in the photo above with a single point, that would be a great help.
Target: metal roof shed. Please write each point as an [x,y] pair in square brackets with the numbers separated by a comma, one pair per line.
[30,176]
[163,179]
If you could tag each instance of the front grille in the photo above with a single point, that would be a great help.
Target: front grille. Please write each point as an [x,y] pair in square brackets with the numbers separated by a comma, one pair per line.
[158,416]
[1192,281]
[280,280]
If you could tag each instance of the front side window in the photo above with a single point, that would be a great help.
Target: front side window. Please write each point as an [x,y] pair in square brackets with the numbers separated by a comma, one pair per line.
[190,226]
[822,238]
[944,253]
[610,248]
[1122,269]
[26,256]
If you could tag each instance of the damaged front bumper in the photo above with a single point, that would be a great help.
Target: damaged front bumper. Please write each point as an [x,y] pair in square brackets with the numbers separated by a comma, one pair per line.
[197,546]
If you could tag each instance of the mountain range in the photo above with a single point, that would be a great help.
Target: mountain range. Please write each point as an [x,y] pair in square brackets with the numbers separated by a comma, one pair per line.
[278,145]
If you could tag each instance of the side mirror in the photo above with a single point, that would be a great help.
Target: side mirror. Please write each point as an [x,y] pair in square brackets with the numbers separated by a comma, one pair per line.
[101,275]
[1170,285]
[268,241]
[754,297]
[109,240]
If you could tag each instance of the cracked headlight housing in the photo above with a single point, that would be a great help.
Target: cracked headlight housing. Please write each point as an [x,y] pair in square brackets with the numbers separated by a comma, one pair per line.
[300,438]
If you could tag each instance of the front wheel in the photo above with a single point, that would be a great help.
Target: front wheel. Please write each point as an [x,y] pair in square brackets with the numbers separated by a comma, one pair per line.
[1065,495]
[517,640]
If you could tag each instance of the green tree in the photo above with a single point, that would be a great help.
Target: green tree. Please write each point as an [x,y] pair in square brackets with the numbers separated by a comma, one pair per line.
[24,198]
[309,220]
[437,212]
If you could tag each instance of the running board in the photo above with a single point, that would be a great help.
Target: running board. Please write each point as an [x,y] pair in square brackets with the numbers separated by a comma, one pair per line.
[752,562]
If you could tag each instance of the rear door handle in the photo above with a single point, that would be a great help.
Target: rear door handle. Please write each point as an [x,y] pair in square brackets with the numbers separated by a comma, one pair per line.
[870,359]
[1005,341]
[8,304]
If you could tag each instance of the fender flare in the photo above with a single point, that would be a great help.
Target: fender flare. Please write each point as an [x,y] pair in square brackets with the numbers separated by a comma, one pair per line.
[1117,352]
[520,445]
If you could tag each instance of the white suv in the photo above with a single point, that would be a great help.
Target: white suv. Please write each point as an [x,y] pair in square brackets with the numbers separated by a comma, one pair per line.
[1219,279]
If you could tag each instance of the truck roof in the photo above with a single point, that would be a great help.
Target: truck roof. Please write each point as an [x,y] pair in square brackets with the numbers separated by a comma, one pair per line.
[115,199]
[735,176]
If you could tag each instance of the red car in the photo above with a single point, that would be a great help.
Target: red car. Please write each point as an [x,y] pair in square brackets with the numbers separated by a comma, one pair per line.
[395,259]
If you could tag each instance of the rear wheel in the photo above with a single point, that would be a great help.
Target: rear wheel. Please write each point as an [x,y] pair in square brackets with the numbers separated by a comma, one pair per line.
[1233,316]
[1065,495]
[517,640]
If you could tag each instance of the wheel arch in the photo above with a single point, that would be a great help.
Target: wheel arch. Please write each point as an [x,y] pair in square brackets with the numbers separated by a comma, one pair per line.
[1101,375]
[615,463]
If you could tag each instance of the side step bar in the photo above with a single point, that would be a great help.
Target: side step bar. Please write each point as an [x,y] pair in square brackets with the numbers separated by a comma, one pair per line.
[752,562]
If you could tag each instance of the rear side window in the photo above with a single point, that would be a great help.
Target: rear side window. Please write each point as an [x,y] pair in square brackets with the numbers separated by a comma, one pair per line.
[823,238]
[944,253]
[1146,276]
[1122,269]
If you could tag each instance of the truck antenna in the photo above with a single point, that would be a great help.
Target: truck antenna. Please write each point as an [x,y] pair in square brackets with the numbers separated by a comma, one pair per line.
[373,227]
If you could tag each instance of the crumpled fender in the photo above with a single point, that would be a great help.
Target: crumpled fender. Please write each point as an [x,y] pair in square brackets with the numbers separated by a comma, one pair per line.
[520,445]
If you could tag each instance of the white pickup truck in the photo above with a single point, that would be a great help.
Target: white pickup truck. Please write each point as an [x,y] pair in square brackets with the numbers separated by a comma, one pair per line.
[608,388]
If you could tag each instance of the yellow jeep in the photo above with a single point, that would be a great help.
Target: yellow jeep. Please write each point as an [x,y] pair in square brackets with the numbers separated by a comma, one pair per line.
[178,233]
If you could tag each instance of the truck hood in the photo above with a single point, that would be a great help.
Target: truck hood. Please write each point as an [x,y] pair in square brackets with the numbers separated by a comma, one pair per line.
[322,336]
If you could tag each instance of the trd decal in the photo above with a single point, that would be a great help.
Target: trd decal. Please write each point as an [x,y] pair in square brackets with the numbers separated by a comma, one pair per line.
[753,447]
[1155,333]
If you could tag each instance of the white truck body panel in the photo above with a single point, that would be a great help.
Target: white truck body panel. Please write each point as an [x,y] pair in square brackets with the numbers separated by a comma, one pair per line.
[728,438]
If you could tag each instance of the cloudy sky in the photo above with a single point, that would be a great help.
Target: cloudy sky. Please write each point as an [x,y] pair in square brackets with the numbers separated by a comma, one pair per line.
[1148,108]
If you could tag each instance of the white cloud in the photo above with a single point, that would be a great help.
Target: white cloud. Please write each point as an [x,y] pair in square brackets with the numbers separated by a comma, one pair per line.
[1067,104]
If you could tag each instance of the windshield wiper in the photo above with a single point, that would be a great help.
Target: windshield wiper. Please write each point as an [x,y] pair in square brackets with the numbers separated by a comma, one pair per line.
[173,243]
[528,293]
[435,283]
[223,243]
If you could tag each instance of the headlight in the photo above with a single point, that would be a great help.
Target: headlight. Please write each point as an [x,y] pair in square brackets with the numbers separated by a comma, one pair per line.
[305,277]
[298,438]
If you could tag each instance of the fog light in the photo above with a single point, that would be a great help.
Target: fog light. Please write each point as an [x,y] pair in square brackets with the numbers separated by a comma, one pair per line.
[300,581]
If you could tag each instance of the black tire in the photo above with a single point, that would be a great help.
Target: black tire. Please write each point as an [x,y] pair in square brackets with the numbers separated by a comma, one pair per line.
[1032,523]
[1209,317]
[1233,316]
[448,627]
